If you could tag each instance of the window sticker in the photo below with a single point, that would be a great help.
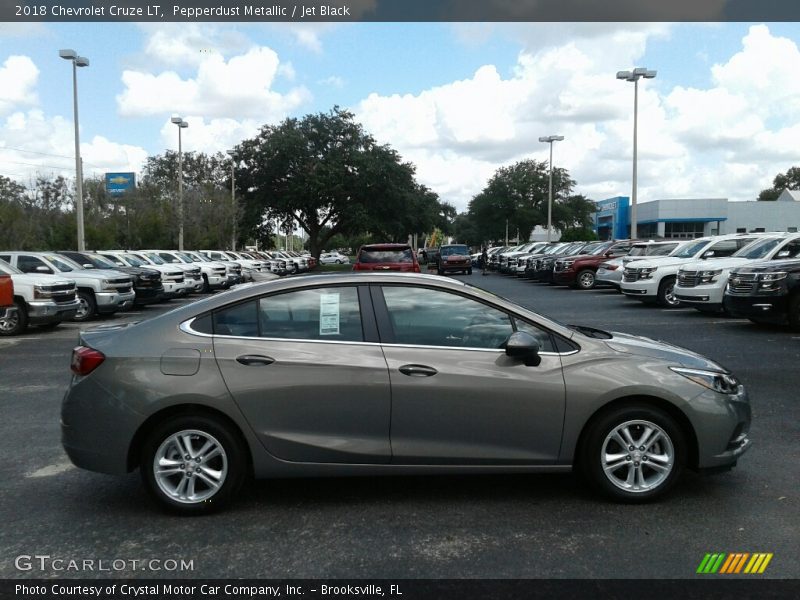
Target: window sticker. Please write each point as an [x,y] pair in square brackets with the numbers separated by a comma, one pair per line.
[329,314]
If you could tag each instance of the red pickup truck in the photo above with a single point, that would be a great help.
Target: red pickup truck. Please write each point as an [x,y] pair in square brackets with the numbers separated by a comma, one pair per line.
[6,294]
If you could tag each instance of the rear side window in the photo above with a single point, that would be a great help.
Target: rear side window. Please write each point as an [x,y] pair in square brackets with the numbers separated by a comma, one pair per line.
[330,314]
[399,255]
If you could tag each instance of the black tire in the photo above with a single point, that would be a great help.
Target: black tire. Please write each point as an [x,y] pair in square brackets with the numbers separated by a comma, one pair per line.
[88,308]
[206,287]
[469,271]
[17,322]
[666,293]
[235,465]
[598,439]
[794,312]
[586,279]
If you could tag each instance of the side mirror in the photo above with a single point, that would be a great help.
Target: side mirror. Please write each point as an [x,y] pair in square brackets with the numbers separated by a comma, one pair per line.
[87,266]
[43,269]
[783,254]
[708,254]
[524,346]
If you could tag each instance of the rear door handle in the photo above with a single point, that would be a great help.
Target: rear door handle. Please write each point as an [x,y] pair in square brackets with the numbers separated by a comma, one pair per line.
[251,360]
[417,370]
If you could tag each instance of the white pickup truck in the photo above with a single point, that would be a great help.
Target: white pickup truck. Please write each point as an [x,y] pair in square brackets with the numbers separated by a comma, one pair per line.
[38,299]
[653,279]
[100,291]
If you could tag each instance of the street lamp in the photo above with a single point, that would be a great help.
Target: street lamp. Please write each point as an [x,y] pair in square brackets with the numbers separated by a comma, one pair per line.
[181,125]
[549,140]
[635,76]
[233,198]
[77,61]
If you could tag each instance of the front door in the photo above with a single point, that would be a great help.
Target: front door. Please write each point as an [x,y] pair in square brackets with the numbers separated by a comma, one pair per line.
[456,397]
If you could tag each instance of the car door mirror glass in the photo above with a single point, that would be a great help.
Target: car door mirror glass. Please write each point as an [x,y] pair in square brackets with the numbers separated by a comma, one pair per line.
[43,269]
[783,254]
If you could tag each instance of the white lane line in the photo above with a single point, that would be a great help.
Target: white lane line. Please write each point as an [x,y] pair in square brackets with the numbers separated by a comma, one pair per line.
[51,470]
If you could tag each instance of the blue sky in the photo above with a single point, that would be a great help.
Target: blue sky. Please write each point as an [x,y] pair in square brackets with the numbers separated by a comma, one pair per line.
[457,100]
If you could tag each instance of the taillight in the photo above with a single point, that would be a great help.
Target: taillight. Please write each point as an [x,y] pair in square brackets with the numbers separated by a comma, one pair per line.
[85,360]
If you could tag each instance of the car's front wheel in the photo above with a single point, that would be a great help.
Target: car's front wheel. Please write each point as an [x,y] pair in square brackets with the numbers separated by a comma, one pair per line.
[87,307]
[586,279]
[666,293]
[15,321]
[633,453]
[193,464]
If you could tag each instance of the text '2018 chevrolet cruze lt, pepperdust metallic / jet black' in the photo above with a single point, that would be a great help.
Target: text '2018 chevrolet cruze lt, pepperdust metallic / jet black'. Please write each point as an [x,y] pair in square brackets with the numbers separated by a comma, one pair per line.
[377,374]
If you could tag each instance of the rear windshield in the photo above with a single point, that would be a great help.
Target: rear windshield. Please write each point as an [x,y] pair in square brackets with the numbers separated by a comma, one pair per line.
[450,250]
[369,255]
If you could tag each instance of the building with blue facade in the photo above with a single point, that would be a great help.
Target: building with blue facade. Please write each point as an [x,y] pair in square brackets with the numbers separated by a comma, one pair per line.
[612,219]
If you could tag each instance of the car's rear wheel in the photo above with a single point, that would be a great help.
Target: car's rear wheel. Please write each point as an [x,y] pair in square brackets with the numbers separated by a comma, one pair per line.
[17,320]
[193,464]
[794,312]
[633,453]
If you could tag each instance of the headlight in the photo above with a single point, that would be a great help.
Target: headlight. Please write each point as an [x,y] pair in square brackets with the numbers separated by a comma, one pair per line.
[724,383]
[708,276]
[776,276]
[647,272]
[40,293]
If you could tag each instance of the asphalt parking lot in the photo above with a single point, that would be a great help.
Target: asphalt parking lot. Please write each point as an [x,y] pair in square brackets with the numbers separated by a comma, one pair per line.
[418,527]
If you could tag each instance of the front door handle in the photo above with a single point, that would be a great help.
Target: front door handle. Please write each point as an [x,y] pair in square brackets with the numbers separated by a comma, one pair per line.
[417,370]
[251,360]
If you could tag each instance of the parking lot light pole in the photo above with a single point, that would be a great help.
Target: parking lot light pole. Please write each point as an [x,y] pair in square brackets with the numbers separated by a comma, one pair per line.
[635,76]
[549,140]
[233,198]
[181,125]
[77,61]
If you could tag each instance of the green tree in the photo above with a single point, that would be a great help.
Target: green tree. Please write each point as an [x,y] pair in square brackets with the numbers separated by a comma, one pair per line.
[331,177]
[783,181]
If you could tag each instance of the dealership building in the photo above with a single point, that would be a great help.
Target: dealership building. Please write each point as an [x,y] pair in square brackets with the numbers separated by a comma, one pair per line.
[684,218]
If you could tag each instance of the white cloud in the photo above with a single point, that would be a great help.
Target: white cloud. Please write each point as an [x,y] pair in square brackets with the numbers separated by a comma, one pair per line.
[209,136]
[34,143]
[333,81]
[18,78]
[237,88]
[727,140]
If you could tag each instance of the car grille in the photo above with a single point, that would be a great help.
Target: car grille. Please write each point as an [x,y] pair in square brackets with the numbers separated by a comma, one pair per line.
[61,294]
[219,270]
[687,279]
[744,283]
[559,266]
[630,275]
[123,286]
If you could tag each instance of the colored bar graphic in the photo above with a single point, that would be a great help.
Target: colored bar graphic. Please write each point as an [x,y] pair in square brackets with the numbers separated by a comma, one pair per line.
[729,564]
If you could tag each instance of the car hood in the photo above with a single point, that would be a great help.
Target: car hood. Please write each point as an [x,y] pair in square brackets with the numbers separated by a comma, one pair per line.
[770,266]
[663,261]
[642,346]
[95,274]
[715,263]
[40,279]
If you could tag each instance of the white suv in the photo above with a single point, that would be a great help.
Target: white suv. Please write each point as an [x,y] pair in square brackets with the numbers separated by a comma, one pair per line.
[702,284]
[653,279]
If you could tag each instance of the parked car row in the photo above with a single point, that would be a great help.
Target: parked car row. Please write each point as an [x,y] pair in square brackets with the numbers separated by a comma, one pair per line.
[51,287]
[750,275]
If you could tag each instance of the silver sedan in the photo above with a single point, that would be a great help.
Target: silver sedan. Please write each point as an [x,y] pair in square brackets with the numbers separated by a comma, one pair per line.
[375,374]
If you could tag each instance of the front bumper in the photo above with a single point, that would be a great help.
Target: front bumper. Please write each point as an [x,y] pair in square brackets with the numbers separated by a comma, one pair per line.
[722,425]
[640,289]
[149,295]
[705,294]
[611,277]
[564,277]
[111,302]
[44,311]
[766,308]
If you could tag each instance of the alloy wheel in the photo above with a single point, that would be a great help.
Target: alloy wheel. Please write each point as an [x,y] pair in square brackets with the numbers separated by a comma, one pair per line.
[637,456]
[190,466]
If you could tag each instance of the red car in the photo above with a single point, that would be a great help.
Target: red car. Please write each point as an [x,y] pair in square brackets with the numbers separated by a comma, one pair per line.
[6,294]
[386,257]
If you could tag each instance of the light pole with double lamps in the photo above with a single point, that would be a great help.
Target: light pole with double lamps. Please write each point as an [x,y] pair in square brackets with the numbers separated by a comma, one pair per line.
[181,125]
[549,140]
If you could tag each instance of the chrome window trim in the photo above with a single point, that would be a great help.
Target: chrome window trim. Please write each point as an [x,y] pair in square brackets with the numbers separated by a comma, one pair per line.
[186,327]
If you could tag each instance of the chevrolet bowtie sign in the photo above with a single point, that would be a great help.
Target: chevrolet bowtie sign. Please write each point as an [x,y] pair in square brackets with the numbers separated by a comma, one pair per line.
[119,183]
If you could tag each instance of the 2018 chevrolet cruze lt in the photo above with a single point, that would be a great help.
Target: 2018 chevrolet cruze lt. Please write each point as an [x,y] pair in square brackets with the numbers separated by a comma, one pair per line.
[374,374]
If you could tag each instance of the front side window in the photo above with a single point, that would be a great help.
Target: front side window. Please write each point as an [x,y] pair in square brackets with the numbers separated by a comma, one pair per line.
[758,249]
[29,264]
[426,317]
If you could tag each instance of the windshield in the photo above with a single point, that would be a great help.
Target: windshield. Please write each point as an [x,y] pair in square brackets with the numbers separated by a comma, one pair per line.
[451,250]
[8,269]
[758,249]
[134,261]
[189,257]
[594,248]
[156,258]
[166,257]
[690,250]
[370,255]
[101,262]
[64,265]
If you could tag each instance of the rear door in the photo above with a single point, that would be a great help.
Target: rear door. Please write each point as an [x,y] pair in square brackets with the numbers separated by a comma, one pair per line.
[307,371]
